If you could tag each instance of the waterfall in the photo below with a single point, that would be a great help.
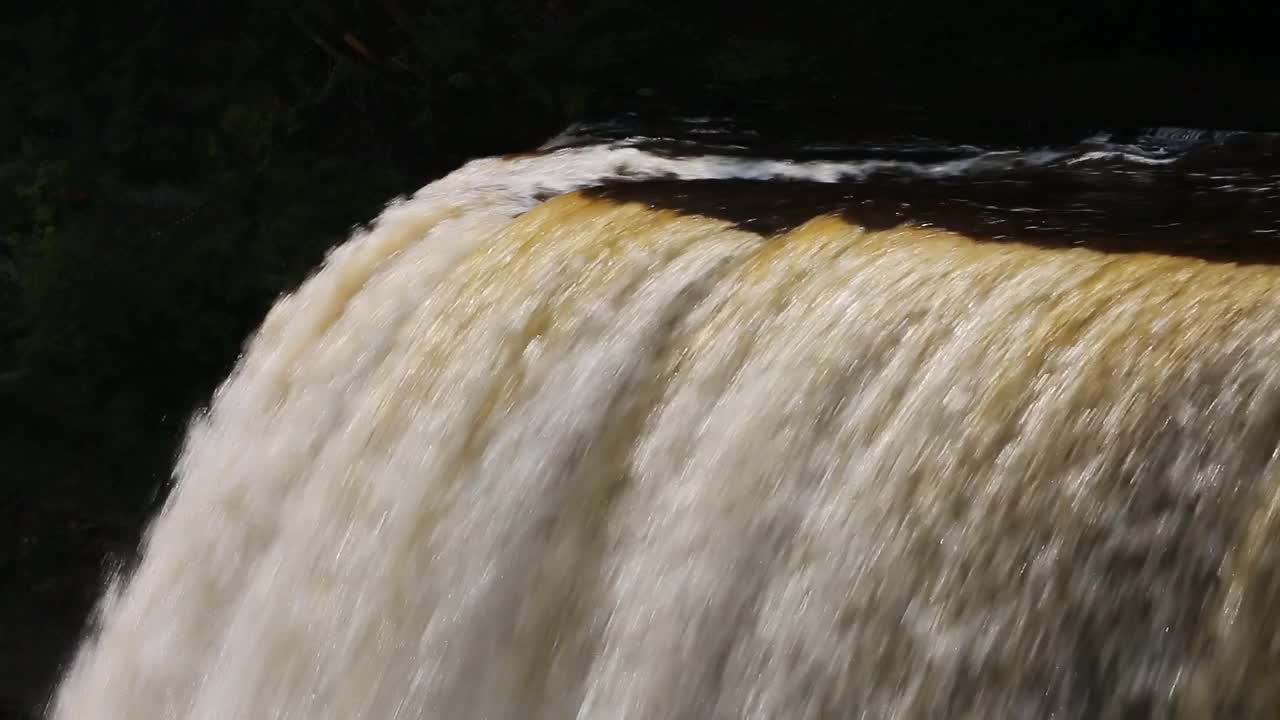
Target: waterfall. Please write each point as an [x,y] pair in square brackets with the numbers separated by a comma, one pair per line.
[525,448]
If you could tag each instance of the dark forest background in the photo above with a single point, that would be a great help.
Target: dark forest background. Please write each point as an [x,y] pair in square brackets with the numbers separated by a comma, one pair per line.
[167,169]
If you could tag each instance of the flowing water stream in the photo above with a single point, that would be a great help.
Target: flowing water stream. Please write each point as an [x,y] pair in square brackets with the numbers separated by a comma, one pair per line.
[656,427]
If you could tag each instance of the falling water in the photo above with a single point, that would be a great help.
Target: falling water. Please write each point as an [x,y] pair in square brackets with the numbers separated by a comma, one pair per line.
[529,449]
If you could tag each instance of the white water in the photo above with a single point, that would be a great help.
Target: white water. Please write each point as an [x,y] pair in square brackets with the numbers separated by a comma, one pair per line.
[507,460]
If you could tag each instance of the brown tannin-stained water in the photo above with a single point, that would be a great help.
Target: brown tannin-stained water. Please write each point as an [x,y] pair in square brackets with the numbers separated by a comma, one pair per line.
[667,426]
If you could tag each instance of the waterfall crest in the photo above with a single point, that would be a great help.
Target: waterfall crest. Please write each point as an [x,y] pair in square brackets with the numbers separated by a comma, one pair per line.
[523,451]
